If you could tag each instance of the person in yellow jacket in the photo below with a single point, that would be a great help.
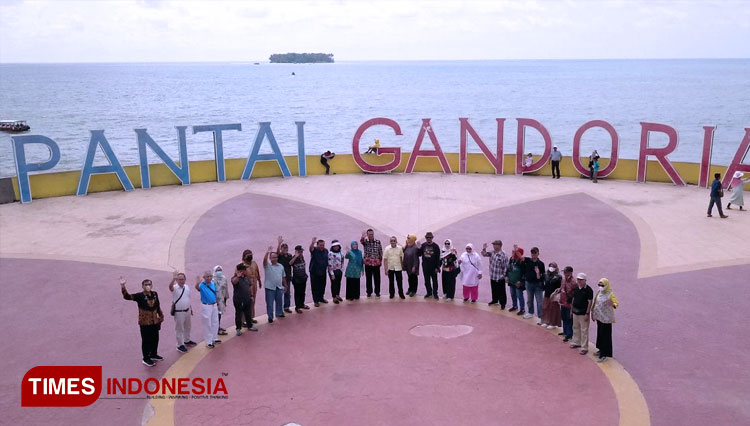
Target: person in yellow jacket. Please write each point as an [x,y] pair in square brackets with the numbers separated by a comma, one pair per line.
[603,312]
[373,149]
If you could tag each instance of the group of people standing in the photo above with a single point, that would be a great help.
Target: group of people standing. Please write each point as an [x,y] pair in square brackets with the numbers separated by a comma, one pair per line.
[557,300]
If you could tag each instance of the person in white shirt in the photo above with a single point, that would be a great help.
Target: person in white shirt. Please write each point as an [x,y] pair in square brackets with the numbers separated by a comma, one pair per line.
[555,158]
[471,273]
[181,311]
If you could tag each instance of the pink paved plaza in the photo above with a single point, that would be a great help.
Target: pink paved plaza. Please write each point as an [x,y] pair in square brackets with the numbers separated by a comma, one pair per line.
[679,341]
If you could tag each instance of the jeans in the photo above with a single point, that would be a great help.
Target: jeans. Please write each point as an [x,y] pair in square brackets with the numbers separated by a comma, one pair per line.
[717,201]
[274,295]
[535,291]
[516,295]
[372,272]
[567,321]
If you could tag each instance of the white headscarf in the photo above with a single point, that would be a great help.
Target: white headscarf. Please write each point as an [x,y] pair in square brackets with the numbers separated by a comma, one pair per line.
[738,175]
[445,251]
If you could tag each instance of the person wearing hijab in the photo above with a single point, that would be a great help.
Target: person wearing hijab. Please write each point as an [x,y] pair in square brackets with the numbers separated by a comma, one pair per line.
[222,293]
[449,261]
[737,186]
[551,317]
[411,263]
[603,312]
[354,270]
[471,272]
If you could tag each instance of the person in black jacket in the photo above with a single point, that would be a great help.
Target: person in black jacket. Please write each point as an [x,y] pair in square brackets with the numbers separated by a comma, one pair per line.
[150,318]
[430,254]
[534,276]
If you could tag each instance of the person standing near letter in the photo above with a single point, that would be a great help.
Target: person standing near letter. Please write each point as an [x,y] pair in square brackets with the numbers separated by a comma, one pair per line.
[498,266]
[275,283]
[209,310]
[737,186]
[181,310]
[324,157]
[411,263]
[555,158]
[318,270]
[373,259]
[394,259]
[716,193]
[603,313]
[150,318]
[242,298]
[471,272]
[430,253]
[582,297]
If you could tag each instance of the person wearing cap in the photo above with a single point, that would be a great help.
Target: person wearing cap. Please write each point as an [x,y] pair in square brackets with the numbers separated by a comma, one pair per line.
[516,285]
[335,266]
[430,254]
[274,282]
[284,257]
[737,186]
[555,158]
[603,313]
[373,250]
[716,193]
[449,262]
[566,298]
[411,263]
[471,272]
[534,276]
[394,260]
[209,310]
[498,266]
[318,270]
[299,278]
[582,299]
[242,298]
[593,165]
[150,318]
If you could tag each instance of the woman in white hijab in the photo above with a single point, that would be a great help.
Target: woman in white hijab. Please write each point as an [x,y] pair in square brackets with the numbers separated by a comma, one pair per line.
[471,273]
[737,185]
[222,293]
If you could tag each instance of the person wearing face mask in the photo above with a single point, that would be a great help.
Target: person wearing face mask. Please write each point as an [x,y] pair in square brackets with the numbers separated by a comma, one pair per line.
[242,298]
[222,294]
[181,310]
[603,313]
[150,318]
[449,261]
[581,304]
[551,304]
[471,272]
[335,273]
[284,260]
[566,298]
[515,274]
[253,273]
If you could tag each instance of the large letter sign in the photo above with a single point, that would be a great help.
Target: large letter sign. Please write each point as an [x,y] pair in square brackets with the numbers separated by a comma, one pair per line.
[23,168]
[265,132]
[708,144]
[98,139]
[301,159]
[396,152]
[577,148]
[496,161]
[418,152]
[218,144]
[182,173]
[736,164]
[659,153]
[521,145]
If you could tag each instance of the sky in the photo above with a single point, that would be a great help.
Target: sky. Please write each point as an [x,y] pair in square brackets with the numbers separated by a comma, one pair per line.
[238,31]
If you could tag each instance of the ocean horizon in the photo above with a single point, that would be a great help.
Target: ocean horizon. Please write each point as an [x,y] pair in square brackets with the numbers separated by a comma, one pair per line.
[64,101]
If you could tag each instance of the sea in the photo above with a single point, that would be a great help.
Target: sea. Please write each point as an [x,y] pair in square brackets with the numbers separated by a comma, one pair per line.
[66,101]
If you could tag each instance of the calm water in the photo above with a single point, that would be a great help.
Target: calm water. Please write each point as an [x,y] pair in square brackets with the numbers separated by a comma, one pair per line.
[65,101]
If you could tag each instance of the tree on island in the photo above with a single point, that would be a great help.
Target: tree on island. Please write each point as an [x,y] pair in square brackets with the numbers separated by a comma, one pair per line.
[301,58]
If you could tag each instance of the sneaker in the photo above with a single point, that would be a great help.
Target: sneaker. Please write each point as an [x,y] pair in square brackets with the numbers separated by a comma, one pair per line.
[566,339]
[551,327]
[148,362]
[288,310]
[239,332]
[466,299]
[598,353]
[210,346]
[493,303]
[723,216]
[305,307]
[543,324]
[298,310]
[156,358]
[473,301]
[412,294]
[325,301]
[436,297]
[427,296]
[527,316]
[512,309]
[574,346]
[270,321]
[584,351]
[217,341]
[255,321]
[317,305]
[181,349]
[521,312]
[280,316]
[335,300]
[601,359]
[561,334]
[252,328]
[222,333]
[538,321]
[190,343]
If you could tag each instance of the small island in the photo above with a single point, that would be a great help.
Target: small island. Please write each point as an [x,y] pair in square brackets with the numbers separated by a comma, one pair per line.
[301,58]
